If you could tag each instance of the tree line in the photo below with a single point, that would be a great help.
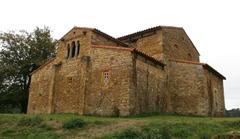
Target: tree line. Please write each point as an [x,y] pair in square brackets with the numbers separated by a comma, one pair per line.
[21,52]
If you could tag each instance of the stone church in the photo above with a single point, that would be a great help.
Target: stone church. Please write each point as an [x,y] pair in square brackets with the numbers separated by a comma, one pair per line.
[154,70]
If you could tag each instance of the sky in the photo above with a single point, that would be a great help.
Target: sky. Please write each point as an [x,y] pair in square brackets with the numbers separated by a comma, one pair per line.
[212,25]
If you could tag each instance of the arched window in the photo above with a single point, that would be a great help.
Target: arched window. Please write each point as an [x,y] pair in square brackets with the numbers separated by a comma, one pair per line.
[73,49]
[78,47]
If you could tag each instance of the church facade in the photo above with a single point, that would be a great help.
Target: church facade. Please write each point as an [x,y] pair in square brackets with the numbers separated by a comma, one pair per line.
[154,70]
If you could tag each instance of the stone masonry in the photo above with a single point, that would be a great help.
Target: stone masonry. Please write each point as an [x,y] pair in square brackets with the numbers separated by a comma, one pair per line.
[154,70]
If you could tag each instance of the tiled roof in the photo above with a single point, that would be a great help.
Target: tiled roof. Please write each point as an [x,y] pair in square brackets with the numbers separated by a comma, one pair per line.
[205,65]
[149,57]
[187,62]
[208,67]
[146,31]
[139,33]
[110,37]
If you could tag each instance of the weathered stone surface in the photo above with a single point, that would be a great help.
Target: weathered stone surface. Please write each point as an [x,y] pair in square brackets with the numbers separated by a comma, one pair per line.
[106,78]
[187,90]
[177,45]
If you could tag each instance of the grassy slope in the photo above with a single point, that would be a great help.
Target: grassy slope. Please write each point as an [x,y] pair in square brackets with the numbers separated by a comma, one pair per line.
[161,126]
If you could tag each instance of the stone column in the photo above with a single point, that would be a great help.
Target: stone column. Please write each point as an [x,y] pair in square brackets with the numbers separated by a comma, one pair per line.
[70,53]
[51,90]
[76,50]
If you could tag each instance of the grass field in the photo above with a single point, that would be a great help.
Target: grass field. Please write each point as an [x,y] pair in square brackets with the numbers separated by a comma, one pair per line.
[55,126]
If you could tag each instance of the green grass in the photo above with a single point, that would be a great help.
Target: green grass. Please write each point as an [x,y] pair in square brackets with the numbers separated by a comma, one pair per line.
[55,126]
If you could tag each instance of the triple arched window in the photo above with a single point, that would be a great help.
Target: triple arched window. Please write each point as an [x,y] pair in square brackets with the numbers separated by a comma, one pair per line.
[73,49]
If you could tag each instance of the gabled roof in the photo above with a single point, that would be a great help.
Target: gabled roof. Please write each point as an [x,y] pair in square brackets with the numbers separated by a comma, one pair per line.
[150,58]
[105,35]
[209,68]
[153,29]
[205,65]
[138,33]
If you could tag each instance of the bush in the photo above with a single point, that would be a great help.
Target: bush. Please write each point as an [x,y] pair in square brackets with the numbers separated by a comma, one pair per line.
[129,133]
[32,121]
[231,123]
[74,123]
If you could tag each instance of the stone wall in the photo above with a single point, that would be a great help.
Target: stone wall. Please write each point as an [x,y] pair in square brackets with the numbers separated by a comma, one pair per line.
[40,88]
[150,87]
[108,96]
[216,94]
[177,45]
[187,87]
[97,39]
[150,44]
[167,42]
[69,87]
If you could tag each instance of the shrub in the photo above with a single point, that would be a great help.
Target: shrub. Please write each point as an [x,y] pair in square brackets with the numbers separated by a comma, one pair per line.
[129,133]
[32,121]
[231,123]
[74,123]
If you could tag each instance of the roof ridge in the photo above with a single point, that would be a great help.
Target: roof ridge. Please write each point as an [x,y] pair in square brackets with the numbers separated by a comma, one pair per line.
[205,65]
[147,30]
[75,27]
[99,32]
[148,56]
[187,62]
[110,37]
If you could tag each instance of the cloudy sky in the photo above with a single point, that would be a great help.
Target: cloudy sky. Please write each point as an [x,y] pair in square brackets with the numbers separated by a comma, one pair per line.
[213,25]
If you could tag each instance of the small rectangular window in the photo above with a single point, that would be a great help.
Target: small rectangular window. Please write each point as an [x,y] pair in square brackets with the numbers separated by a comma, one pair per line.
[106,77]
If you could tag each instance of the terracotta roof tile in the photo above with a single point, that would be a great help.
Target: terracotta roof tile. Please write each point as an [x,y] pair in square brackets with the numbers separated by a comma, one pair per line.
[154,29]
[110,37]
[149,57]
[146,31]
[187,62]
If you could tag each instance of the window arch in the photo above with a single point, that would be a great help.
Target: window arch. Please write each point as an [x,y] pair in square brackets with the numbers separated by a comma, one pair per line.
[78,47]
[73,49]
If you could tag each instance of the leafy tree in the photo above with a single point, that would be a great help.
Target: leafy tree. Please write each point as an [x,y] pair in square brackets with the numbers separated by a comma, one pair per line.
[22,52]
[233,112]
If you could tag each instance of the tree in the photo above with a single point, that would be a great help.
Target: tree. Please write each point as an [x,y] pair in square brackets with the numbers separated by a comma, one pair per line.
[20,54]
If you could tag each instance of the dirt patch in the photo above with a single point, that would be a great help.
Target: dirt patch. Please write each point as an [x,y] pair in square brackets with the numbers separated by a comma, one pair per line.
[94,131]
[229,135]
[54,124]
